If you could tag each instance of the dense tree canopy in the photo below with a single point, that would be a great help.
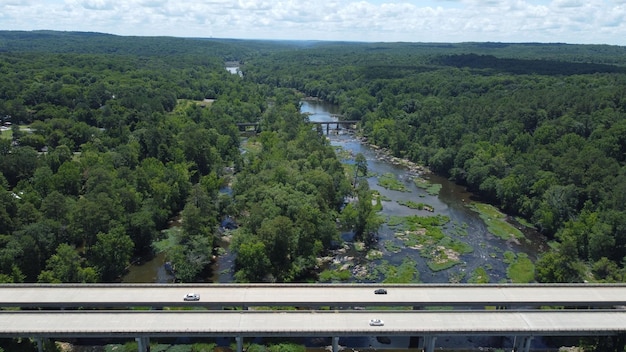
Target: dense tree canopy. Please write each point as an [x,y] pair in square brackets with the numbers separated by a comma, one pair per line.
[288,197]
[112,137]
[535,129]
[107,147]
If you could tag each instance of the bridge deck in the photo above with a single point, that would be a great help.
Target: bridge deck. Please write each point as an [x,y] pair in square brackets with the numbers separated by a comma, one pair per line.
[350,295]
[309,323]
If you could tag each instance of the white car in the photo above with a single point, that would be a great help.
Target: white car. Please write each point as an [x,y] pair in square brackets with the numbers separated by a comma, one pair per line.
[192,297]
[376,322]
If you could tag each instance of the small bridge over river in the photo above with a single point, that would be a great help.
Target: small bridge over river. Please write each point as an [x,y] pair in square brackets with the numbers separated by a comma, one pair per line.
[254,127]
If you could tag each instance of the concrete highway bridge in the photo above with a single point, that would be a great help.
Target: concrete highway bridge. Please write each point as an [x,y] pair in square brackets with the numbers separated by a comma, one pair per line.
[590,310]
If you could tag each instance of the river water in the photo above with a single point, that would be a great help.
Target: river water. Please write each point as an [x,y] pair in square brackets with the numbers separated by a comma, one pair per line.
[452,201]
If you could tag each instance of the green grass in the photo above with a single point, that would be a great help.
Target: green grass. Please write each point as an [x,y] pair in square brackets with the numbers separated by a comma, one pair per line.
[394,221]
[335,275]
[425,234]
[415,222]
[508,257]
[415,205]
[521,270]
[392,247]
[441,262]
[389,181]
[479,276]
[374,254]
[496,222]
[456,245]
[405,273]
[440,258]
[430,188]
[378,204]
[169,239]
[8,134]
[524,222]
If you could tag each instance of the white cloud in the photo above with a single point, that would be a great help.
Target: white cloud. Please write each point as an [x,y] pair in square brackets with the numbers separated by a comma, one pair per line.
[572,21]
[569,3]
[152,3]
[97,4]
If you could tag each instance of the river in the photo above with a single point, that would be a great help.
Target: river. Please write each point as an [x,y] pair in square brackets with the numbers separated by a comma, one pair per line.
[452,201]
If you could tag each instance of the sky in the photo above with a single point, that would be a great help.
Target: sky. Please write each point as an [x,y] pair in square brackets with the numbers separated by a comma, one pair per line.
[545,21]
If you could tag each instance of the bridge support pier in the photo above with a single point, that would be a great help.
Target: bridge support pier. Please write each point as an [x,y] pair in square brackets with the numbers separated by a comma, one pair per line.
[143,344]
[239,340]
[335,344]
[39,344]
[429,343]
[522,343]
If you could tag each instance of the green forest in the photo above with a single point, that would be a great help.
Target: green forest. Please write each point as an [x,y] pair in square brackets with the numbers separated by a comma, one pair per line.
[538,130]
[107,140]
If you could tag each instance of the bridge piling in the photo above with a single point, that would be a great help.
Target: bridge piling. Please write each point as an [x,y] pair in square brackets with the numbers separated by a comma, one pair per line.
[39,344]
[335,344]
[239,340]
[143,344]
[522,343]
[429,343]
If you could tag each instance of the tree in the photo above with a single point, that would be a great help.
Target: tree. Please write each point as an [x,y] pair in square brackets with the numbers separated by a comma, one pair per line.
[142,230]
[56,206]
[280,239]
[558,205]
[561,265]
[199,216]
[94,214]
[367,222]
[252,262]
[66,266]
[8,208]
[360,164]
[348,216]
[18,165]
[199,146]
[10,253]
[605,270]
[111,253]
[192,259]
[68,179]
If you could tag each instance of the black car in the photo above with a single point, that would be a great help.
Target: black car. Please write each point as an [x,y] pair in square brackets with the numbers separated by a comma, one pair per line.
[381,291]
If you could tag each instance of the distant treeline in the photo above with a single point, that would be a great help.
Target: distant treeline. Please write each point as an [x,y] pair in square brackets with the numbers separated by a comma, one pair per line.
[493,64]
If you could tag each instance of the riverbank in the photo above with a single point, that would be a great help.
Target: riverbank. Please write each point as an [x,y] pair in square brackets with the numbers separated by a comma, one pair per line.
[385,154]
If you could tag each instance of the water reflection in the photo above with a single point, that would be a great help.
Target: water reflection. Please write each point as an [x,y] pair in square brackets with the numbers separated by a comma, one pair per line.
[150,271]
[234,70]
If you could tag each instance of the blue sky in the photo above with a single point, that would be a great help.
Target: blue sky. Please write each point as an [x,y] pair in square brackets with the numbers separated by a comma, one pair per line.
[566,21]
